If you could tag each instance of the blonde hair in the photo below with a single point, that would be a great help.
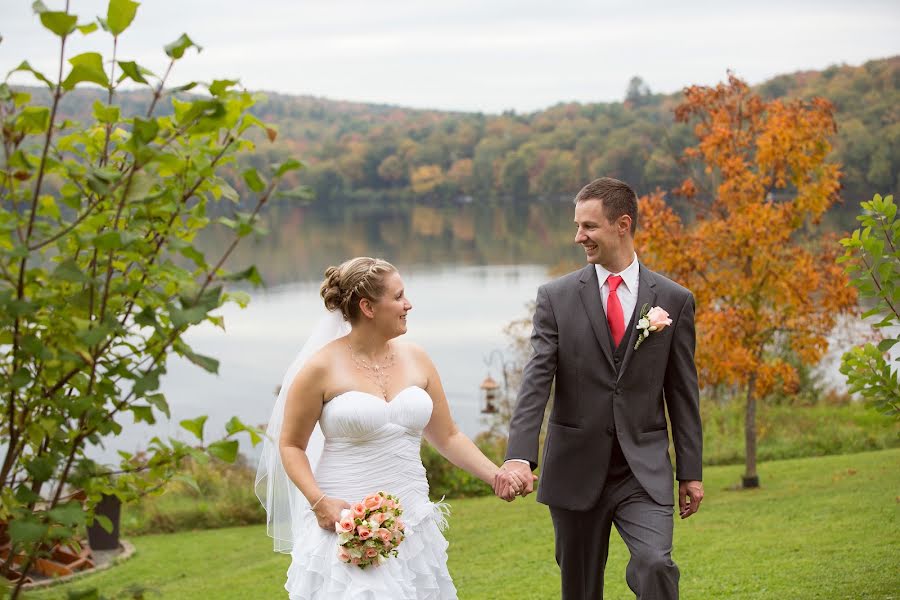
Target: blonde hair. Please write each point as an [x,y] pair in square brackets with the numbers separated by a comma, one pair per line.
[351,281]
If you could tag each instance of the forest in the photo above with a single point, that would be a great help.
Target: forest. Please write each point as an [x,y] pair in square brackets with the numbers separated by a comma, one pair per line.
[355,151]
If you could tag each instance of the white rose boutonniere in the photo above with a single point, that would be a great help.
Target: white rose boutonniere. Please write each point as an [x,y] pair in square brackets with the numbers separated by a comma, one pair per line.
[651,319]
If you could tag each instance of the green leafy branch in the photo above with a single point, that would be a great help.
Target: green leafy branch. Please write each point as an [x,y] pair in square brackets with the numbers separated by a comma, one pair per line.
[872,260]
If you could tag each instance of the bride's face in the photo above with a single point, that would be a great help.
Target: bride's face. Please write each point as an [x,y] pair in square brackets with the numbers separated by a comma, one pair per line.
[390,310]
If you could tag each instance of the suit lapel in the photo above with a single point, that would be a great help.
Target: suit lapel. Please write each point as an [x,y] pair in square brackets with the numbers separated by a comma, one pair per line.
[646,295]
[593,306]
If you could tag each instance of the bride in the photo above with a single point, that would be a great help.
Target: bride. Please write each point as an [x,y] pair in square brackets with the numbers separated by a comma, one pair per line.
[373,397]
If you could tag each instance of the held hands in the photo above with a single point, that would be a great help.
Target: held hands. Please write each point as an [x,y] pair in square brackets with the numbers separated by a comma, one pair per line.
[328,511]
[513,479]
[690,494]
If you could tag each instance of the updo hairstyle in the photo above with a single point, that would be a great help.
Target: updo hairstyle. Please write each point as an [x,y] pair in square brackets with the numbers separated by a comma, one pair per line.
[345,285]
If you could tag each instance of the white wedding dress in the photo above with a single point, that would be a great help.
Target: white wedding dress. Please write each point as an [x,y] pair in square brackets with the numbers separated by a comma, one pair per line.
[373,445]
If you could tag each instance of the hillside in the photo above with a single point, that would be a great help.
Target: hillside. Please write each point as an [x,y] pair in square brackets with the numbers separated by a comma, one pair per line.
[356,150]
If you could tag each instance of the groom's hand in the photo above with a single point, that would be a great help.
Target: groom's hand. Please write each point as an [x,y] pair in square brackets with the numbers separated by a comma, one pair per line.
[507,485]
[522,472]
[690,494]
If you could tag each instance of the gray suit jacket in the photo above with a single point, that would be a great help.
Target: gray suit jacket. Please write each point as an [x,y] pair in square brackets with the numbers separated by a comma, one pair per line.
[594,401]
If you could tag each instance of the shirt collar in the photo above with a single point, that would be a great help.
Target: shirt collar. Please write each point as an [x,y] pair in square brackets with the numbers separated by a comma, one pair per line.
[629,276]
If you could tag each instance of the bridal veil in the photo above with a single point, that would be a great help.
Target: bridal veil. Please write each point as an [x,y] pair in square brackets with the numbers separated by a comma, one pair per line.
[282,500]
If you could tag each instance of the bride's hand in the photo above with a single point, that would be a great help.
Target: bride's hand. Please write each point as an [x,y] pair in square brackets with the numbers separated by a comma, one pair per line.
[328,512]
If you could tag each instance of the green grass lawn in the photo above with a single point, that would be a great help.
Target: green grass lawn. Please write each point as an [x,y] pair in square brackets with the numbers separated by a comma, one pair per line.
[818,528]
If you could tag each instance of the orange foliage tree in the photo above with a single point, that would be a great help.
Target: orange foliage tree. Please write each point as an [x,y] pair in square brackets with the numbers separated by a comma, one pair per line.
[767,288]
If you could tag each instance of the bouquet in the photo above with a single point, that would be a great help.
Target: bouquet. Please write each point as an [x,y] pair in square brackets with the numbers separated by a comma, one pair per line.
[370,530]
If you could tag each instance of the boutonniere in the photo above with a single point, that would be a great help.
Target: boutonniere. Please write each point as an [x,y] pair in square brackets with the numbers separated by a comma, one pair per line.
[651,319]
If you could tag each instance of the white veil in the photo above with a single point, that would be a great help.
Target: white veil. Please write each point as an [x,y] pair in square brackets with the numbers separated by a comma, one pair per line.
[277,493]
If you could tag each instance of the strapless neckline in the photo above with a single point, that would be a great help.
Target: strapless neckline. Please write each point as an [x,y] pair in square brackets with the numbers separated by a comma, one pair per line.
[377,397]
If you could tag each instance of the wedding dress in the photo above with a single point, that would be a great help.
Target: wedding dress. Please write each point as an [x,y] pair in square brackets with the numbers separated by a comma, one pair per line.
[373,445]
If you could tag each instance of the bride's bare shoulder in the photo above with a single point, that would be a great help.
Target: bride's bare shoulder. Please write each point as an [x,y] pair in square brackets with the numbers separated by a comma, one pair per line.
[413,351]
[325,356]
[318,368]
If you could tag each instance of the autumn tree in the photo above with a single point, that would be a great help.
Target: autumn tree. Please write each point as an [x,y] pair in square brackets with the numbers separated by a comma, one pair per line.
[426,178]
[764,276]
[460,174]
[391,169]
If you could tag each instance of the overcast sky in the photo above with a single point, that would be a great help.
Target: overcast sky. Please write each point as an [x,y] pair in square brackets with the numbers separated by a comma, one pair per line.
[476,55]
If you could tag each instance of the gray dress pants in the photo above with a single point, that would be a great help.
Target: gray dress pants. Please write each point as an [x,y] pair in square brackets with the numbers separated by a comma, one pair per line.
[582,543]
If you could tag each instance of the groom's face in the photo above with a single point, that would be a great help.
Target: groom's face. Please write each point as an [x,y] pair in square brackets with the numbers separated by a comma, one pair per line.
[599,238]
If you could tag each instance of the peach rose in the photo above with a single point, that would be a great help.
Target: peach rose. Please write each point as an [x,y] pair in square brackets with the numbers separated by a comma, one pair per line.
[371,552]
[359,510]
[344,525]
[398,524]
[364,532]
[659,318]
[384,534]
[343,555]
[373,502]
[354,561]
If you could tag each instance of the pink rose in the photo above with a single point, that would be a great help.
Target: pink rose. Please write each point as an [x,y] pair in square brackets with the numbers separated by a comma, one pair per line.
[384,534]
[388,503]
[398,524]
[354,561]
[343,555]
[344,525]
[371,552]
[659,318]
[364,532]
[359,510]
[373,502]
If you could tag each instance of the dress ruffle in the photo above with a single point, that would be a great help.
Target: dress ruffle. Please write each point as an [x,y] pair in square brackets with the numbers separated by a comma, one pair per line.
[419,572]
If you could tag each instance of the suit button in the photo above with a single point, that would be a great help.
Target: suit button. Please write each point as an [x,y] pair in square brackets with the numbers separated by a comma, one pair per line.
[611,430]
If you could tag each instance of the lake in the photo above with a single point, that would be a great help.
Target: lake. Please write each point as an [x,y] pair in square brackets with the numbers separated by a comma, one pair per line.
[469,270]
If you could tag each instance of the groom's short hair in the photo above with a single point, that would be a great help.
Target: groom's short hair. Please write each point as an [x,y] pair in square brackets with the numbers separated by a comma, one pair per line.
[617,197]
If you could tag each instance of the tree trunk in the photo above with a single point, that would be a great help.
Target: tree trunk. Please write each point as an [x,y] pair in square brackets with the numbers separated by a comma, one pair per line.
[750,478]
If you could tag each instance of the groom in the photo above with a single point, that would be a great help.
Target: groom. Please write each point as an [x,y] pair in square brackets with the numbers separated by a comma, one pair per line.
[606,458]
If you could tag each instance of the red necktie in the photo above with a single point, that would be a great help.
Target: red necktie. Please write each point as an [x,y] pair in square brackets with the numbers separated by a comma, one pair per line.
[614,315]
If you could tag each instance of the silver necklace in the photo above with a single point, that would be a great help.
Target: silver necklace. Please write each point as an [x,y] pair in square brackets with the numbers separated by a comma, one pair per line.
[374,371]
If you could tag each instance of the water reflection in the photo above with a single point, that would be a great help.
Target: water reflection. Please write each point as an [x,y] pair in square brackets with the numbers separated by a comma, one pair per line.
[303,240]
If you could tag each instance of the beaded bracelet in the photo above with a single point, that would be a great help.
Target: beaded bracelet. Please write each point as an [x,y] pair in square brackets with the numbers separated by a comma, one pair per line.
[313,507]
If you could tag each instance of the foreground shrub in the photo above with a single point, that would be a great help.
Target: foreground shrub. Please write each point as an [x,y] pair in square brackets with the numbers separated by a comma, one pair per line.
[222,497]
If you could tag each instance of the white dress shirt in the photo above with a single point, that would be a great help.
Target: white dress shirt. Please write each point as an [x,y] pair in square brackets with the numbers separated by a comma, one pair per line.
[627,290]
